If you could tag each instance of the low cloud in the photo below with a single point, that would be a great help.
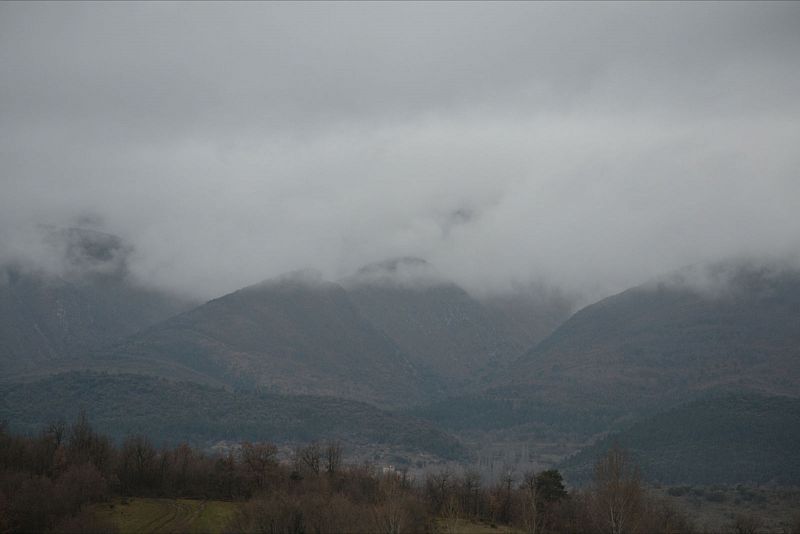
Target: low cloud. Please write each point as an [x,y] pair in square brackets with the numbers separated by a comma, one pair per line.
[586,147]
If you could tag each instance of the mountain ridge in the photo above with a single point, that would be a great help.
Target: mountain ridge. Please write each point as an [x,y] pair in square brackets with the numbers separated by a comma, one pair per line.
[286,335]
[677,340]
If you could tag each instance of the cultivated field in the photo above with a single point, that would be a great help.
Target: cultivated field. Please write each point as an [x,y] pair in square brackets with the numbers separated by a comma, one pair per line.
[142,516]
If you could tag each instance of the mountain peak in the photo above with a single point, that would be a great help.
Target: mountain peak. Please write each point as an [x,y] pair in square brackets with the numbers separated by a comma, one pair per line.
[741,278]
[406,271]
[393,264]
[309,278]
[70,253]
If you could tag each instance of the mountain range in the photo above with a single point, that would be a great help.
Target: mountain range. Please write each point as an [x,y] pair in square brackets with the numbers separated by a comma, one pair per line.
[399,336]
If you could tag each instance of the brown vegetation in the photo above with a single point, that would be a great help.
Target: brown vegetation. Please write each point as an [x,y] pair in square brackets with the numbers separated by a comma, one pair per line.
[47,481]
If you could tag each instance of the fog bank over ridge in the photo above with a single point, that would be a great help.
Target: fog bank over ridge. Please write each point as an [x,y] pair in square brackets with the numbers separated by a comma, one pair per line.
[585,147]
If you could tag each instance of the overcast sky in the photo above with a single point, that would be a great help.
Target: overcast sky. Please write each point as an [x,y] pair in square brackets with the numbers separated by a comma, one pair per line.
[589,145]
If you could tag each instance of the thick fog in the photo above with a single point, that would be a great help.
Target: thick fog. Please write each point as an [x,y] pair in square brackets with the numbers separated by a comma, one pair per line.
[589,146]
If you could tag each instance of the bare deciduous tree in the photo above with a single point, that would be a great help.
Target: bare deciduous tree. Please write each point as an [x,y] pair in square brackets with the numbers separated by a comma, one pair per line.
[451,514]
[333,457]
[57,432]
[259,459]
[390,514]
[472,493]
[311,456]
[618,493]
[529,514]
[437,488]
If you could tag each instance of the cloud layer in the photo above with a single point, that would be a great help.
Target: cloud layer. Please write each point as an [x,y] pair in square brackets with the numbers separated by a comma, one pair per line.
[591,146]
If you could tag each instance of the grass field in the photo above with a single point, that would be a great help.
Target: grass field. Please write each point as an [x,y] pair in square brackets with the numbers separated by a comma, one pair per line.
[141,516]
[161,516]
[463,526]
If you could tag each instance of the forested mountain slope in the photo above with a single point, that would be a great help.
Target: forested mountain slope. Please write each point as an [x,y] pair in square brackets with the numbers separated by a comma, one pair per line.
[171,412]
[647,349]
[291,335]
[437,323]
[664,340]
[726,438]
[52,321]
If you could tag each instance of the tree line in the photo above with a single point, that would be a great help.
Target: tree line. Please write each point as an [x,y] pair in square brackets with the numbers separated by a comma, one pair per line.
[48,482]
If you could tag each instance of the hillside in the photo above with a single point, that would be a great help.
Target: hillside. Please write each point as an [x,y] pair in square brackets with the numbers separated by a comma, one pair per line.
[722,439]
[173,412]
[659,342]
[289,335]
[528,313]
[640,352]
[51,321]
[437,323]
[522,412]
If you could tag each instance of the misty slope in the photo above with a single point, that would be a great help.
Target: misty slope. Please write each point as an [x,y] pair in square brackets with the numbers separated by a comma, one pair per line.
[724,439]
[638,352]
[174,412]
[289,335]
[49,322]
[528,314]
[438,324]
[662,341]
